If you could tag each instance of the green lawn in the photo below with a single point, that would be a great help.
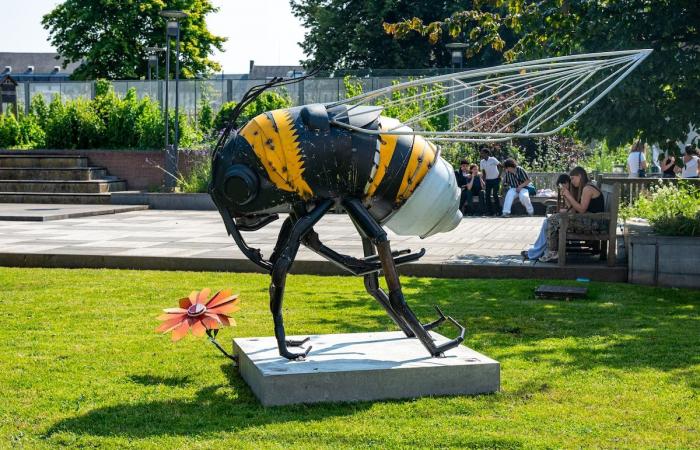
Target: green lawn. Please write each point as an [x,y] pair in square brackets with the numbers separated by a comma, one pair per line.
[82,367]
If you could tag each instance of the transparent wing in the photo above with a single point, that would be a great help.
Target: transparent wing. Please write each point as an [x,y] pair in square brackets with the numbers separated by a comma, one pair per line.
[528,99]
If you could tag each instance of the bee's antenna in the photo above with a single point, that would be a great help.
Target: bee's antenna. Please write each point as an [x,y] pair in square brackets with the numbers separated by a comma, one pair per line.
[250,96]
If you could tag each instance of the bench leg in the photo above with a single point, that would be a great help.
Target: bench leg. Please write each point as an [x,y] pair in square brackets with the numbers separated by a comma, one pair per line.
[563,226]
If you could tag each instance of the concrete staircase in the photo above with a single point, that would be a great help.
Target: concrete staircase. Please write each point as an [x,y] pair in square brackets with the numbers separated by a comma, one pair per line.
[35,178]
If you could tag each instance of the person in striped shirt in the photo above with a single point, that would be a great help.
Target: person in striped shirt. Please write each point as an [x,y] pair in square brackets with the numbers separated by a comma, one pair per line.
[516,180]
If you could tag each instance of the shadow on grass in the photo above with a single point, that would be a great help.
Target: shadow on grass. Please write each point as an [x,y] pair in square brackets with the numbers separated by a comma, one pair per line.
[617,326]
[155,380]
[212,410]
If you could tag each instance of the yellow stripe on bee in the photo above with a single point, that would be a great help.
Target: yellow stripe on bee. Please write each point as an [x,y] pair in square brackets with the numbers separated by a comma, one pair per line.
[387,146]
[420,161]
[275,143]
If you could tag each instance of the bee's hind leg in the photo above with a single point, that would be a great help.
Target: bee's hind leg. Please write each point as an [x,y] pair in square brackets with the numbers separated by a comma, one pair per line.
[285,251]
[378,236]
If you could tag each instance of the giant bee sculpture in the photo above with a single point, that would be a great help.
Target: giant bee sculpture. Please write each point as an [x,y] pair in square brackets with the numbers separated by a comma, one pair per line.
[346,156]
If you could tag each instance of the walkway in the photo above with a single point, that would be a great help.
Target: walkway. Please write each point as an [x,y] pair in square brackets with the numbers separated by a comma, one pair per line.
[197,240]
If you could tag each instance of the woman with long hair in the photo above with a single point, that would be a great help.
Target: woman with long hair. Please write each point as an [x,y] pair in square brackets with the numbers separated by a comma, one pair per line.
[581,196]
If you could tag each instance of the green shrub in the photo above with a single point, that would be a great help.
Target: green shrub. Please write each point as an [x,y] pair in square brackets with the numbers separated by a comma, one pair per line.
[603,158]
[197,180]
[206,117]
[73,125]
[40,110]
[9,131]
[267,101]
[31,133]
[671,210]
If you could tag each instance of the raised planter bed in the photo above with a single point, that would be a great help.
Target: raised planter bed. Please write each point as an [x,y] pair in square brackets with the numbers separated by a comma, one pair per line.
[671,261]
[197,202]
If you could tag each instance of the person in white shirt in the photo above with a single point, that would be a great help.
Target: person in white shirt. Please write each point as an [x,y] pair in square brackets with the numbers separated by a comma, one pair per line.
[636,161]
[490,166]
[690,163]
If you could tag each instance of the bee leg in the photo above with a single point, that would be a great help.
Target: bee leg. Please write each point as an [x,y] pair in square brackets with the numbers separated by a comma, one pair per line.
[378,236]
[285,251]
[373,288]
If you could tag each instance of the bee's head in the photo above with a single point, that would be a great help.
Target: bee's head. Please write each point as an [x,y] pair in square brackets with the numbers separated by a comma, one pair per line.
[233,181]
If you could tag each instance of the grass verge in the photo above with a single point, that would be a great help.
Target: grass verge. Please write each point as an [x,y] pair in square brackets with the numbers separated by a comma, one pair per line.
[82,367]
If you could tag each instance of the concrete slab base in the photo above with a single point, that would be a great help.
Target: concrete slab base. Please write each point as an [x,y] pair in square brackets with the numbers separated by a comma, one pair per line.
[28,212]
[361,367]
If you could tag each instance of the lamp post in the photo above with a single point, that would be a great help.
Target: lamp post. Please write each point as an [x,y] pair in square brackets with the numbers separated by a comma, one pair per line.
[457,51]
[153,60]
[172,30]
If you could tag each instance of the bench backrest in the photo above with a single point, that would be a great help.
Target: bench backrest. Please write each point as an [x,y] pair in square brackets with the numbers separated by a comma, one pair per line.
[611,197]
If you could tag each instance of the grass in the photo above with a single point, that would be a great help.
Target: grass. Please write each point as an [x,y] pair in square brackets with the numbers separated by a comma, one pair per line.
[82,367]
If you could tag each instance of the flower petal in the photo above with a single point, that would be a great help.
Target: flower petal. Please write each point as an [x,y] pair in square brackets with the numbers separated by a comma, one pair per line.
[198,328]
[170,316]
[225,320]
[203,295]
[225,309]
[210,323]
[180,331]
[220,297]
[185,302]
[193,297]
[212,316]
[175,311]
[169,325]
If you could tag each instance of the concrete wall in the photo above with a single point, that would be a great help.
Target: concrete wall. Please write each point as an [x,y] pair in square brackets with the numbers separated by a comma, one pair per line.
[664,261]
[140,168]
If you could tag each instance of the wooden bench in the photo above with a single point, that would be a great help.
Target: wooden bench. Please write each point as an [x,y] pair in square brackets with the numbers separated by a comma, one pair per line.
[611,196]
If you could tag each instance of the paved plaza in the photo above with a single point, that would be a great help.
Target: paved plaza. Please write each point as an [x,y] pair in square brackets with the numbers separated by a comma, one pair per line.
[197,240]
[182,234]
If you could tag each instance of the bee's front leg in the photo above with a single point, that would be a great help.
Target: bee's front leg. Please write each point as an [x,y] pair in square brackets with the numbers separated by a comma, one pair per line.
[285,251]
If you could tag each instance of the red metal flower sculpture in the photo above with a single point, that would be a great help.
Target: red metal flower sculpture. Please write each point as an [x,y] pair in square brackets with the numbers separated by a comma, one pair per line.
[200,315]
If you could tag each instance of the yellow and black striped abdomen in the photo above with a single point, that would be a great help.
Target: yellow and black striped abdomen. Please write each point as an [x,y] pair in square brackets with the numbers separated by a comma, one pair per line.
[400,164]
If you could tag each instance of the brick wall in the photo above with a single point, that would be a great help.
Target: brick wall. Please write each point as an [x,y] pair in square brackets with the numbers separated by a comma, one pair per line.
[139,168]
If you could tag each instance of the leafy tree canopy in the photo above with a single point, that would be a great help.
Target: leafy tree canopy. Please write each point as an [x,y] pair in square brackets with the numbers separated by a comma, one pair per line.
[111,36]
[350,35]
[656,102]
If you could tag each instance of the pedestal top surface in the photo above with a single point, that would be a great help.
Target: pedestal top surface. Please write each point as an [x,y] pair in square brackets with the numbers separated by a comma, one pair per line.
[355,352]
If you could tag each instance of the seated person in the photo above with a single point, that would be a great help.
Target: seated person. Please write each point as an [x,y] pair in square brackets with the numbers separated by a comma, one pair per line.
[516,180]
[462,176]
[580,196]
[475,188]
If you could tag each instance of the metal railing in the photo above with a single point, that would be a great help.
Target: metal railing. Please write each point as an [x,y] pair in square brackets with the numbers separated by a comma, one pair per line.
[632,188]
[216,91]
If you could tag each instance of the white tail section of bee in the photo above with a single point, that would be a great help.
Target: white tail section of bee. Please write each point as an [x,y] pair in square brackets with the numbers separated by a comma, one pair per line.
[522,100]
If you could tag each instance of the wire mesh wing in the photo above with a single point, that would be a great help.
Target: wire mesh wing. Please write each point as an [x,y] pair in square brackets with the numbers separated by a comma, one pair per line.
[528,99]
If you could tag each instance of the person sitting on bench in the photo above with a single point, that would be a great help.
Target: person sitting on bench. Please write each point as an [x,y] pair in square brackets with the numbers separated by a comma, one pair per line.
[517,181]
[580,196]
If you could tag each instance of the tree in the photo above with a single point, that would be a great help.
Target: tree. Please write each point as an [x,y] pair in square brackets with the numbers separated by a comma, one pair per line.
[110,37]
[350,35]
[655,103]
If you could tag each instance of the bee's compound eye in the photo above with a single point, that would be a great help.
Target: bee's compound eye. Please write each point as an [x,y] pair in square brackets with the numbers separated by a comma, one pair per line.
[241,185]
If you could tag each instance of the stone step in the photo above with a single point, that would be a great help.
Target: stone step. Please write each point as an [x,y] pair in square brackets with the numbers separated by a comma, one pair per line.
[38,197]
[48,161]
[62,187]
[55,174]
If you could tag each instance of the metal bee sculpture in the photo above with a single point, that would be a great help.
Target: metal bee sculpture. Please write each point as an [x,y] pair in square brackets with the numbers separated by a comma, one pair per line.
[346,156]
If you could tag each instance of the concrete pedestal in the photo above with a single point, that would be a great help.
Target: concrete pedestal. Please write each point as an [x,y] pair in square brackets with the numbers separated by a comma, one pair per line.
[362,366]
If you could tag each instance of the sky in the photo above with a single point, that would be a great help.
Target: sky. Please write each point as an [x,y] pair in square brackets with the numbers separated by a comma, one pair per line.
[261,30]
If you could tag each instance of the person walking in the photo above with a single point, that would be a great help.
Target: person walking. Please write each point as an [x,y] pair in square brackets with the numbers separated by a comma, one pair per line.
[490,168]
[517,181]
[690,163]
[637,161]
